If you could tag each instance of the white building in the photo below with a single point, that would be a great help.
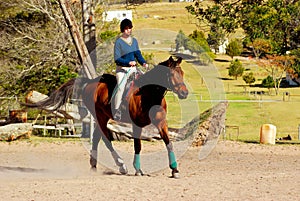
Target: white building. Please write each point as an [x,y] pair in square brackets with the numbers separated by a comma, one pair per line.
[118,14]
[222,48]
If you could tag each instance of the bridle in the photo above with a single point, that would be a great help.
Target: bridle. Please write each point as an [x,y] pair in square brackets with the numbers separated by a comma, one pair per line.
[170,86]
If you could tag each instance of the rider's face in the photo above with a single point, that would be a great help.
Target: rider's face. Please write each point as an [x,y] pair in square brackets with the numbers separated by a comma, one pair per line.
[127,31]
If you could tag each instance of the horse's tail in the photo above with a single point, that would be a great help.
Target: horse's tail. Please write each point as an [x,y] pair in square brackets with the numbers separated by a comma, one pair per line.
[59,97]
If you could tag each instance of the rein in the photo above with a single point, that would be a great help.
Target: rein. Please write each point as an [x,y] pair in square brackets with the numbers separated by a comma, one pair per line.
[169,85]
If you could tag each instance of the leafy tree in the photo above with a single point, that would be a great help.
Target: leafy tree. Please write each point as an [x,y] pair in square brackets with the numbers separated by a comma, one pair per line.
[268,82]
[193,46]
[181,40]
[195,43]
[36,50]
[274,20]
[236,69]
[234,48]
[249,78]
[260,47]
[216,37]
[277,66]
[216,17]
[34,46]
[199,38]
[296,66]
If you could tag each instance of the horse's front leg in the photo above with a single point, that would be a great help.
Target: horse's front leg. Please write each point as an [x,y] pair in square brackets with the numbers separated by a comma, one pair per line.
[163,131]
[172,160]
[158,118]
[137,149]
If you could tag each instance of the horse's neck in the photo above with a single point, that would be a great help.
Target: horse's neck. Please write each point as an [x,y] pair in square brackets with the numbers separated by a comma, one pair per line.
[156,76]
[151,86]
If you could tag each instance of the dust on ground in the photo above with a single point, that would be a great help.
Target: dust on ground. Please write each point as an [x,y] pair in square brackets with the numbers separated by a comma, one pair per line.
[232,171]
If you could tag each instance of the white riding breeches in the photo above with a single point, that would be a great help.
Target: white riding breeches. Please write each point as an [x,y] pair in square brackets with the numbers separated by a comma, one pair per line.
[122,74]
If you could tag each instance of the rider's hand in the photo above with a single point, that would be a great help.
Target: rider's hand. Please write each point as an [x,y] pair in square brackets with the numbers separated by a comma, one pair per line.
[146,66]
[132,63]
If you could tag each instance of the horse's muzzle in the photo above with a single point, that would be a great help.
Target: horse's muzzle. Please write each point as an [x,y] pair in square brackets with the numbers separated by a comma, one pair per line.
[183,94]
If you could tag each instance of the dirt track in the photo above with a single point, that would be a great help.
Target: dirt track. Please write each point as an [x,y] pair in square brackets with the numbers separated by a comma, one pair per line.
[233,171]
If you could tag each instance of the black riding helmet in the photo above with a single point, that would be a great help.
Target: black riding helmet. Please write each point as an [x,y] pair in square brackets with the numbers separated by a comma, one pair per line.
[126,23]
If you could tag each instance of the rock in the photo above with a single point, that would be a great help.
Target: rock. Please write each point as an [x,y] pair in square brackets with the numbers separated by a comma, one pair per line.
[15,131]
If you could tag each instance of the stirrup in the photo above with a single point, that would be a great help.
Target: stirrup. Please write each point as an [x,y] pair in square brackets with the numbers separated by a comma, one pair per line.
[117,115]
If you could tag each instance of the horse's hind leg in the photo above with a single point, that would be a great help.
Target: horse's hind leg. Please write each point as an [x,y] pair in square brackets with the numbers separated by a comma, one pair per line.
[137,149]
[103,133]
[94,152]
[118,160]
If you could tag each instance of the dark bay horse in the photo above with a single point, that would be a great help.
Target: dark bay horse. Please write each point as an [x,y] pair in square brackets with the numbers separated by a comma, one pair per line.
[145,105]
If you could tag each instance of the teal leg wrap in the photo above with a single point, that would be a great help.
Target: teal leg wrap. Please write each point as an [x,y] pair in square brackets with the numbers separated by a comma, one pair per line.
[137,162]
[172,160]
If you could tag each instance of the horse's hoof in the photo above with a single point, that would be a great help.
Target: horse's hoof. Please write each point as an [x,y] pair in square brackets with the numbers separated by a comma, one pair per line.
[175,174]
[139,173]
[123,169]
[93,162]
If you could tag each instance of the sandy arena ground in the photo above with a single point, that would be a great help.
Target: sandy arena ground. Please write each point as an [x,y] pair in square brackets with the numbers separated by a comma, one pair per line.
[233,171]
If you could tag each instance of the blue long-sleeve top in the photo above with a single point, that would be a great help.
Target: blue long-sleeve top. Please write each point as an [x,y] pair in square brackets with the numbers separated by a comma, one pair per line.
[124,52]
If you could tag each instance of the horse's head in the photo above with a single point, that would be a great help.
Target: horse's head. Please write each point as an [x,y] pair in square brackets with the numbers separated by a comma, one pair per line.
[175,80]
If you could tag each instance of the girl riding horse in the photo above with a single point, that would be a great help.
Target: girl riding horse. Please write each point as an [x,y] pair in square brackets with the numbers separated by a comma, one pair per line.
[145,105]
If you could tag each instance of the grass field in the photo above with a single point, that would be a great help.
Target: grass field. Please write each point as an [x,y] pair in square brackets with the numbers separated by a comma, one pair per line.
[247,111]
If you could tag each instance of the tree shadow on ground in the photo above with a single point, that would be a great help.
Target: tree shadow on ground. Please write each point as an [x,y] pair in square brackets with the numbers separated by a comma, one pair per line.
[225,78]
[222,60]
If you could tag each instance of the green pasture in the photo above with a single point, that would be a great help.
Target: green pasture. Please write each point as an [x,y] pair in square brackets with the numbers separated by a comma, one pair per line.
[247,110]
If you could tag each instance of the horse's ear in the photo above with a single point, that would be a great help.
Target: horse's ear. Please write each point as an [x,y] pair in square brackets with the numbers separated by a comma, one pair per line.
[171,59]
[179,60]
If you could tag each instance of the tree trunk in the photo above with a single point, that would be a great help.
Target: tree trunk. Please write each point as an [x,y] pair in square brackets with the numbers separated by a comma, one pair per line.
[89,38]
[81,48]
[89,29]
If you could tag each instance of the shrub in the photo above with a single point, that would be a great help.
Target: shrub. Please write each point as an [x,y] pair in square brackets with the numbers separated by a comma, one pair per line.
[268,82]
[249,78]
[236,69]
